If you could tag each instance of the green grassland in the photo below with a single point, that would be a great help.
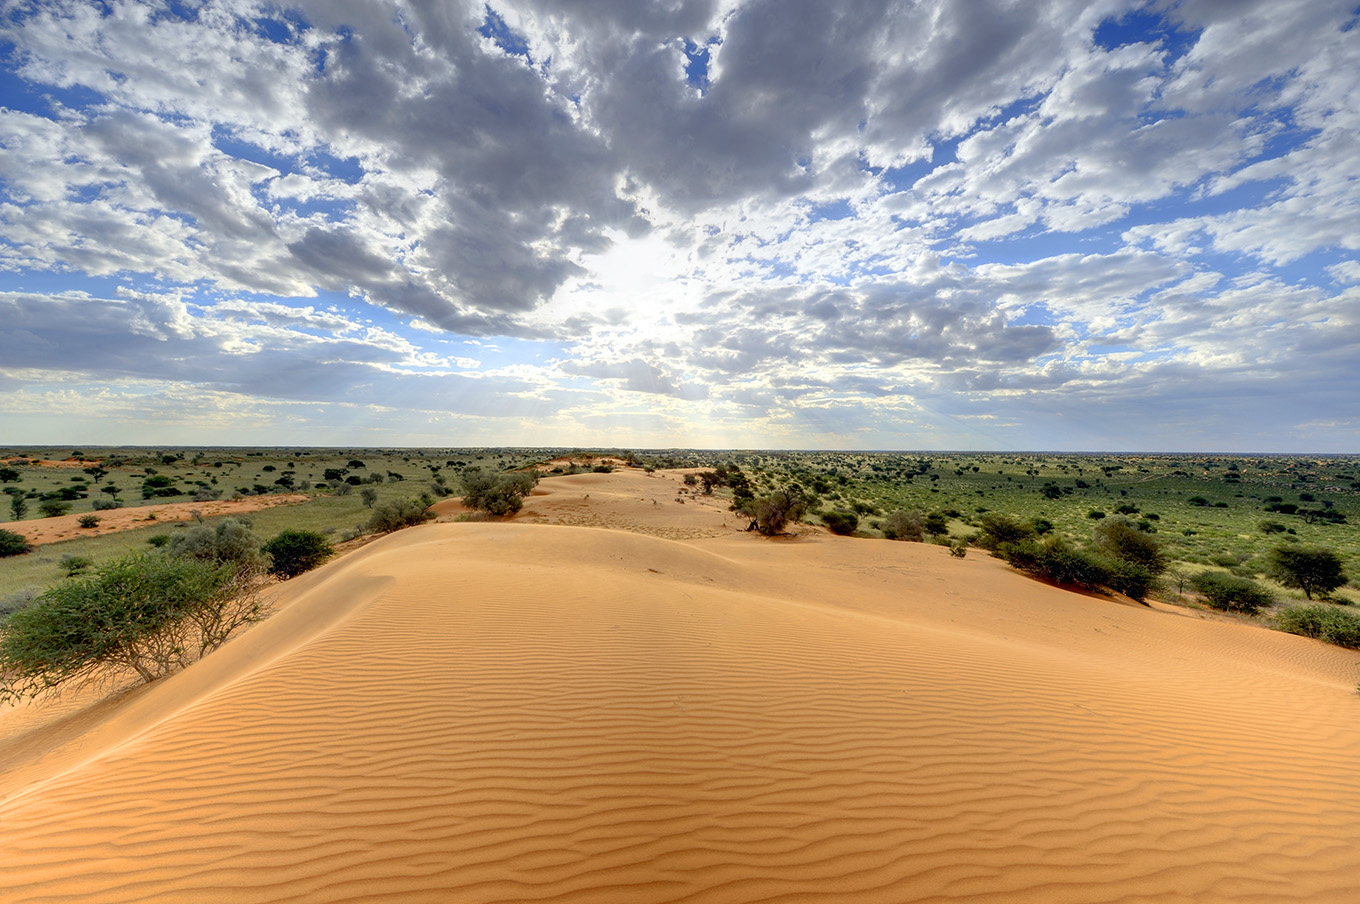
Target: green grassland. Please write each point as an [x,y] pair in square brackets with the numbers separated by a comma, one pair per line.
[1209,511]
[335,506]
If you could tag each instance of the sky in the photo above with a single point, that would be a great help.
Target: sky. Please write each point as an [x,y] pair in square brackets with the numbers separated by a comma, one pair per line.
[1029,225]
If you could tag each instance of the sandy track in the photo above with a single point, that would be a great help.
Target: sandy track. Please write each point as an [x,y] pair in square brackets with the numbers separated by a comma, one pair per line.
[40,531]
[514,712]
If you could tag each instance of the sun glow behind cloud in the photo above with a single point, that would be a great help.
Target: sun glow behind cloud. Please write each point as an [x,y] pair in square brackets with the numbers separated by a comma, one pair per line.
[783,224]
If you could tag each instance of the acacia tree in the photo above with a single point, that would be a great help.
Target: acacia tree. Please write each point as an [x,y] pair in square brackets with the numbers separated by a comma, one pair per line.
[148,614]
[1314,570]
[770,514]
[18,506]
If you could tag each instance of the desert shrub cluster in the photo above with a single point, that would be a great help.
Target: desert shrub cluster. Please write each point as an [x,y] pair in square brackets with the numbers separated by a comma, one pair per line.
[397,514]
[497,494]
[1121,557]
[13,544]
[1325,622]
[908,526]
[1312,570]
[1231,593]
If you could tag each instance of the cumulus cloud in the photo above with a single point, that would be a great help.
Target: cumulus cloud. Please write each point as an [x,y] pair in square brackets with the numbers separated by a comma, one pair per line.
[869,221]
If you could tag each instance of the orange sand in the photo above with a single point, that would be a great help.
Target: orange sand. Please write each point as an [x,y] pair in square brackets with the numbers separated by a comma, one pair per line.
[492,712]
[67,527]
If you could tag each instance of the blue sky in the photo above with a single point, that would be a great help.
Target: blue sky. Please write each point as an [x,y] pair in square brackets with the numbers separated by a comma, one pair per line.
[930,225]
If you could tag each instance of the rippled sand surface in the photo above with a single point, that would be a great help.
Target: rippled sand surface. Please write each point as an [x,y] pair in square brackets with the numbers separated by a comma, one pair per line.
[619,698]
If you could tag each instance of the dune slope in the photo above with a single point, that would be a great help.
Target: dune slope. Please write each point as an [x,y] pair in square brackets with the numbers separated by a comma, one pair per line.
[537,712]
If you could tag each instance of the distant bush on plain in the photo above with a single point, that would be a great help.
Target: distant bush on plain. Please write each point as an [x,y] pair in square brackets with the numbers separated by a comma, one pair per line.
[13,544]
[842,523]
[1312,570]
[998,530]
[230,541]
[908,526]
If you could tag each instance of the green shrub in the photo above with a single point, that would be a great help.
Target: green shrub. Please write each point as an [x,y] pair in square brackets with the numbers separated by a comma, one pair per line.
[1329,623]
[158,540]
[1056,561]
[147,613]
[1231,593]
[89,521]
[1120,538]
[12,544]
[905,526]
[842,523]
[496,494]
[293,552]
[72,565]
[999,530]
[936,524]
[396,514]
[1129,578]
[958,549]
[230,541]
[53,508]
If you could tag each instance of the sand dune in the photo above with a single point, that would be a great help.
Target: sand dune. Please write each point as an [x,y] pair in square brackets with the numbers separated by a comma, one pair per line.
[541,711]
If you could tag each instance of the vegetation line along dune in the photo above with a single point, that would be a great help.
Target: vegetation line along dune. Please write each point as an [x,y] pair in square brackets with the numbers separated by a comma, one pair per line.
[565,708]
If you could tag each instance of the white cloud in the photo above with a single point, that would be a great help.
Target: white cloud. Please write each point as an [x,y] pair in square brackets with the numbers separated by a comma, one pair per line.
[866,221]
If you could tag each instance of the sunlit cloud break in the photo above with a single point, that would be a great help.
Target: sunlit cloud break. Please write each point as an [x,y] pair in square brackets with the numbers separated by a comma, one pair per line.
[1004,225]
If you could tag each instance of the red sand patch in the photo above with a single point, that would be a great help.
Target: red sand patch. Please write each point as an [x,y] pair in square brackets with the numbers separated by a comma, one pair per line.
[41,531]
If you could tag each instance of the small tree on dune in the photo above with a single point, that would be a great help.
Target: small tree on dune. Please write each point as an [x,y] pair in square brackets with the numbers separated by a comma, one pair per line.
[770,514]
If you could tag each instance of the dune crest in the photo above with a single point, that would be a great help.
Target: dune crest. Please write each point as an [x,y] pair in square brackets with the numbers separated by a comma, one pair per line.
[493,712]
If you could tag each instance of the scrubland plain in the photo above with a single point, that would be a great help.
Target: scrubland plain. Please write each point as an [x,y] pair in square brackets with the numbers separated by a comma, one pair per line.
[621,695]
